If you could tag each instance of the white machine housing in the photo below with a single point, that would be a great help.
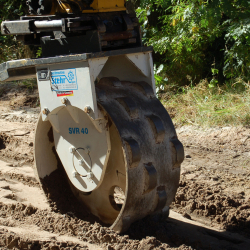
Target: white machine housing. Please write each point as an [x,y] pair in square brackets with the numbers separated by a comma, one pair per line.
[68,101]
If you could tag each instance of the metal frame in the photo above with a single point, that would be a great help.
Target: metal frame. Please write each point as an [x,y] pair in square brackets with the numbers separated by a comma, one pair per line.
[26,68]
[133,64]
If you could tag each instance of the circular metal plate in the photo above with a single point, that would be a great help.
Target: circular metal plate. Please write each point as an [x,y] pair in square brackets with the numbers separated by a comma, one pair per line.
[82,149]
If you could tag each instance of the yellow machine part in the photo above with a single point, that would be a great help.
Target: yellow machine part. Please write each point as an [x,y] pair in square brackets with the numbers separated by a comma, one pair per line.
[106,6]
[60,7]
[97,5]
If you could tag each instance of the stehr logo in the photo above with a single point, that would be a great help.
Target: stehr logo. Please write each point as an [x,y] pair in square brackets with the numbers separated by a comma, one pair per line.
[62,80]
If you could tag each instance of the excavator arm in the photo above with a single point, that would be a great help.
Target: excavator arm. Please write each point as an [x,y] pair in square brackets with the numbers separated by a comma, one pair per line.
[51,7]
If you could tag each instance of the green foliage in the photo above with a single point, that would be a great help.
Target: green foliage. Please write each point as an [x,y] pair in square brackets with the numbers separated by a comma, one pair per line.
[12,9]
[9,48]
[193,35]
[39,52]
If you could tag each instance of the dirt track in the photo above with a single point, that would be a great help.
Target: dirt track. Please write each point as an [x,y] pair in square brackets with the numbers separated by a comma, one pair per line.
[211,209]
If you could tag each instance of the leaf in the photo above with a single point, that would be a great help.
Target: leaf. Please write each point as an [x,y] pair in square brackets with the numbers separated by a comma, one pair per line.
[214,71]
[213,83]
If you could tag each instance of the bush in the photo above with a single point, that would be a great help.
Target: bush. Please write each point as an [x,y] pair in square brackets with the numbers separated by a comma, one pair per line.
[9,48]
[202,39]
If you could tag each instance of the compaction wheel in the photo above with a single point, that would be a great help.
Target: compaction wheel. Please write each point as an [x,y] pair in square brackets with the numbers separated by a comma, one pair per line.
[141,170]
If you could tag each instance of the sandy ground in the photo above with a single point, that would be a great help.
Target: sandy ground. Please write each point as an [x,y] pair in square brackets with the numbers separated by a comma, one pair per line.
[211,209]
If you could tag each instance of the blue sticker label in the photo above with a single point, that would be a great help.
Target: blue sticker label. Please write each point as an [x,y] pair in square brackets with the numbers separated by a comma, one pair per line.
[64,80]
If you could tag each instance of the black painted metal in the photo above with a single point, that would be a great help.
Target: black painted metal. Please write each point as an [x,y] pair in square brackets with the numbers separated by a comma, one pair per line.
[71,45]
[72,33]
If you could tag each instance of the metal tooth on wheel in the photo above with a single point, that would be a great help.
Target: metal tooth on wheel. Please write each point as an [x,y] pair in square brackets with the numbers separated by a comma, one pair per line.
[133,152]
[157,128]
[143,158]
[178,152]
[110,81]
[145,88]
[129,105]
[150,179]
[161,198]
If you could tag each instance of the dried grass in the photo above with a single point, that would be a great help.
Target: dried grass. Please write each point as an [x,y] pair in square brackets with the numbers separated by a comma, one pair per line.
[218,106]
